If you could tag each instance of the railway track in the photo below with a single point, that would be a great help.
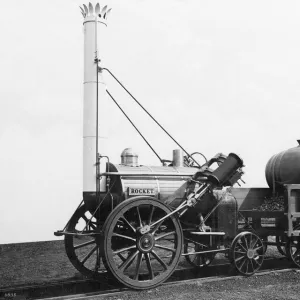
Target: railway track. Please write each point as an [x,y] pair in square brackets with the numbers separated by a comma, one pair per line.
[86,287]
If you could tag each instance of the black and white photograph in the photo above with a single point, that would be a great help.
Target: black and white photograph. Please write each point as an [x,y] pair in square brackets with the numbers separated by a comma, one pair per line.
[150,150]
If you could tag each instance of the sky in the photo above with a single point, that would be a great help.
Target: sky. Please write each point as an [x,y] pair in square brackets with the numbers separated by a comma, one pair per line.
[220,76]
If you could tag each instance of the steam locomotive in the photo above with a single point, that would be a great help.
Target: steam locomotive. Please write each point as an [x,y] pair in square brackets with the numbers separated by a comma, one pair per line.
[136,221]
[148,217]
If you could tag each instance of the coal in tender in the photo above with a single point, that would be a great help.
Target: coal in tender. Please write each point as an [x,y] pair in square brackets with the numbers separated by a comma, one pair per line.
[273,203]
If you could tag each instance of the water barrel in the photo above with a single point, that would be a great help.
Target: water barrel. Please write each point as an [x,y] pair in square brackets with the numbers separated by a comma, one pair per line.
[284,168]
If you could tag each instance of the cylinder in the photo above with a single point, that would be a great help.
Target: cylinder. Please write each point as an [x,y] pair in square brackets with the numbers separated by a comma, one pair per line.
[227,218]
[177,158]
[284,168]
[224,172]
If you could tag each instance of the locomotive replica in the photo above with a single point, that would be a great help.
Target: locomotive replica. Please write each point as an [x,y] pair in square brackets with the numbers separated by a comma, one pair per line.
[135,222]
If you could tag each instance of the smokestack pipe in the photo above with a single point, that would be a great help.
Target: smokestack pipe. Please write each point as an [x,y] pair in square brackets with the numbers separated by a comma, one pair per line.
[94,90]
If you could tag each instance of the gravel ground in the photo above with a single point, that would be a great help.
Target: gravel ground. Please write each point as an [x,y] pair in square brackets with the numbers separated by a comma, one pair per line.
[27,263]
[41,262]
[275,286]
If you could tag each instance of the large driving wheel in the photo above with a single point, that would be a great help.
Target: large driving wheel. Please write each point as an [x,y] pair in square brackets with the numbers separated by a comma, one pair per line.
[140,250]
[84,250]
[247,253]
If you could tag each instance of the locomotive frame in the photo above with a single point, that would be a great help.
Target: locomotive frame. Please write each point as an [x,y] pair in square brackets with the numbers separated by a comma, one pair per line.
[140,241]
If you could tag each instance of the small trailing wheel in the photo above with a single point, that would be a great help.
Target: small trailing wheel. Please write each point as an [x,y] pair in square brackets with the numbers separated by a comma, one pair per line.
[292,248]
[140,250]
[263,238]
[197,260]
[247,253]
[84,250]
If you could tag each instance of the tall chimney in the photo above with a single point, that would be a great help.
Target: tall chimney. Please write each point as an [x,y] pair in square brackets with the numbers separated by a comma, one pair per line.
[94,91]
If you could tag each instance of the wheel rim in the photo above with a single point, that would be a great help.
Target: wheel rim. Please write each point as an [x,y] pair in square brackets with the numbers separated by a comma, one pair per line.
[84,251]
[141,260]
[247,253]
[280,248]
[292,248]
[197,260]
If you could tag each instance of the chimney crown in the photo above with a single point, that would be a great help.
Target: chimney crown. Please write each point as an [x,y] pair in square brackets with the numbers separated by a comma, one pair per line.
[97,11]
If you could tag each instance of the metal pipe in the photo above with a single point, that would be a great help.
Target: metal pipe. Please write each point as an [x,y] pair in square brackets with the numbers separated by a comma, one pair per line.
[151,116]
[181,206]
[207,233]
[204,252]
[149,174]
[94,90]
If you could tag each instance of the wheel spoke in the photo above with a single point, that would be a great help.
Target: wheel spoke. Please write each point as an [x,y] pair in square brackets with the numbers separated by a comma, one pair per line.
[124,249]
[157,226]
[88,221]
[297,253]
[241,245]
[252,265]
[252,245]
[164,235]
[246,243]
[97,264]
[121,256]
[242,264]
[148,262]
[165,248]
[159,260]
[124,236]
[255,260]
[84,244]
[151,215]
[128,261]
[259,247]
[126,221]
[137,269]
[89,255]
[240,252]
[239,258]
[139,216]
[247,266]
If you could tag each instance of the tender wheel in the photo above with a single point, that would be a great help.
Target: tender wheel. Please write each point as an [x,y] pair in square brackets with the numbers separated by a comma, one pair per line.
[279,241]
[265,240]
[138,254]
[292,248]
[197,260]
[84,251]
[247,253]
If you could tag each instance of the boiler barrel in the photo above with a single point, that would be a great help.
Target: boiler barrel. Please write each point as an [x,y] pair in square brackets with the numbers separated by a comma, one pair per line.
[284,168]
